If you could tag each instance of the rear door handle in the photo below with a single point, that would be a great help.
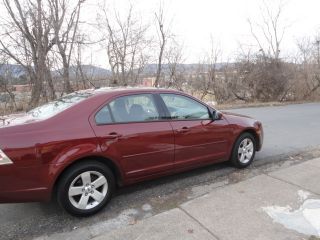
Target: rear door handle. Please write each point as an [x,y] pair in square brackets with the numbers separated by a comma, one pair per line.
[183,130]
[113,135]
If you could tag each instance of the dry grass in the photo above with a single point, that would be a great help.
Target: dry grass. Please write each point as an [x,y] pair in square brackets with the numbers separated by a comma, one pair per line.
[257,104]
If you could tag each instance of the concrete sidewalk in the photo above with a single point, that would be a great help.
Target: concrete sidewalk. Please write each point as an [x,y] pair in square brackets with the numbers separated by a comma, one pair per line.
[284,204]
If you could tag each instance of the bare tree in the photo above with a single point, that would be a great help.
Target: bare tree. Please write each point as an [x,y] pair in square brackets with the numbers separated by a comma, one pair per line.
[195,79]
[243,82]
[308,77]
[126,44]
[211,85]
[176,70]
[206,80]
[80,74]
[269,32]
[163,34]
[49,91]
[65,26]
[5,85]
[28,39]
[266,73]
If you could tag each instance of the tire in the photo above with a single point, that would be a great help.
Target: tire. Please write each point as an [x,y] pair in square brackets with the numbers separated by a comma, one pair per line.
[85,188]
[243,152]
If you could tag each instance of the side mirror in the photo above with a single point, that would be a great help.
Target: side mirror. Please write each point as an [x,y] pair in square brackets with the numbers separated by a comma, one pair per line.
[216,115]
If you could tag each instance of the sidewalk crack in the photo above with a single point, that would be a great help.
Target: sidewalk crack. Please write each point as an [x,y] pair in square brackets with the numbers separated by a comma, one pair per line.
[204,227]
[293,184]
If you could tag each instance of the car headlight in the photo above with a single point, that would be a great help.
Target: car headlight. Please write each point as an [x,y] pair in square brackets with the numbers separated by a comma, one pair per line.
[4,160]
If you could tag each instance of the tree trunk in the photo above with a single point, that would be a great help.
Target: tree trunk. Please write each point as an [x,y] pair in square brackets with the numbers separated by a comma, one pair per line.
[51,90]
[36,92]
[66,80]
[157,81]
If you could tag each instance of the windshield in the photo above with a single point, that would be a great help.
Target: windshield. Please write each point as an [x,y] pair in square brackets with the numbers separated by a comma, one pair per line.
[52,108]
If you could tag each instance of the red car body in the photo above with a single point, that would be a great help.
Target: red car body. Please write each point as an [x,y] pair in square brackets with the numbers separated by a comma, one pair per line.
[41,150]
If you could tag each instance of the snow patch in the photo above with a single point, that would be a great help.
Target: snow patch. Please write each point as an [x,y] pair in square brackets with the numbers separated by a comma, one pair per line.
[124,218]
[146,207]
[305,220]
[303,195]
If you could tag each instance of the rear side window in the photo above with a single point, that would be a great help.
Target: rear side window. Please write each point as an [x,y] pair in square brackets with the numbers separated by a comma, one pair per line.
[133,108]
[104,116]
[184,108]
[52,108]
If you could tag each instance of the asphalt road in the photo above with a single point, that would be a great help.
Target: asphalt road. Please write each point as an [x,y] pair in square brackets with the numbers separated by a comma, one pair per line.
[288,129]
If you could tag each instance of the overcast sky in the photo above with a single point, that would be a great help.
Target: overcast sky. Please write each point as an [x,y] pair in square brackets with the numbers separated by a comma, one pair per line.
[194,21]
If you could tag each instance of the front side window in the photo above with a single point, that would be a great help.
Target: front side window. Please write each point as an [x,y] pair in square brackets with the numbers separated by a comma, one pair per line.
[184,108]
[133,108]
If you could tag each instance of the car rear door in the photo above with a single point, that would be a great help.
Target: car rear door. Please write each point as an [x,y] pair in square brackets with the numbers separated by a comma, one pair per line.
[130,129]
[198,139]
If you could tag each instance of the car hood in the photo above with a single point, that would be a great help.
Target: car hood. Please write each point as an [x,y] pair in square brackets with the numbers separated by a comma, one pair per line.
[16,119]
[235,115]
[239,119]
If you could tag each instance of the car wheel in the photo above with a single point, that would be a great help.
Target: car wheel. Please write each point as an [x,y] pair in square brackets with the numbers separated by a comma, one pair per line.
[244,151]
[85,188]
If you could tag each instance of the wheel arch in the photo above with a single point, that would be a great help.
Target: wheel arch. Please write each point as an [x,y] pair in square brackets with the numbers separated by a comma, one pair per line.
[254,134]
[106,161]
[247,130]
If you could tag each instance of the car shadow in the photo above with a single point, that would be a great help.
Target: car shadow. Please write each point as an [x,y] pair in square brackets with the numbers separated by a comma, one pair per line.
[37,219]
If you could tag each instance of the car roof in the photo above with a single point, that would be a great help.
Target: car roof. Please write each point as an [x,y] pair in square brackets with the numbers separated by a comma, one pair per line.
[132,89]
[123,90]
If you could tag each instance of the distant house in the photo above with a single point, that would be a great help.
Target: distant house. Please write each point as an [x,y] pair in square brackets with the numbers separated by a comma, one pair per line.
[21,88]
[148,81]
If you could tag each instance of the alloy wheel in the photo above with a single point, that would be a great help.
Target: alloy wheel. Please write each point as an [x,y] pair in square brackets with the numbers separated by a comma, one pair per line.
[88,190]
[245,150]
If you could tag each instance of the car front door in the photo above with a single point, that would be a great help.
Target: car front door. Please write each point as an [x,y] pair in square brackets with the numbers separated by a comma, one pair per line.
[198,139]
[130,129]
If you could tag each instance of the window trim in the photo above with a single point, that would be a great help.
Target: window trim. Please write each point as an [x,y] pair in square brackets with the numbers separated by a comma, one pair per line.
[168,115]
[155,100]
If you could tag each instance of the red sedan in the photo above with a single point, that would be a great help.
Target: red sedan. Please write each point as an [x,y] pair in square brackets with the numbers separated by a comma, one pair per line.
[81,147]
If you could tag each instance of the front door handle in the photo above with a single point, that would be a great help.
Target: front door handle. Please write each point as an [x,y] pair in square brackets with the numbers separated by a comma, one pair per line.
[113,135]
[183,130]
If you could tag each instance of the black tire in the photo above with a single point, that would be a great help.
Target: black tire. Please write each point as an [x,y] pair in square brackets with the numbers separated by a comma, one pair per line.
[235,156]
[72,174]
